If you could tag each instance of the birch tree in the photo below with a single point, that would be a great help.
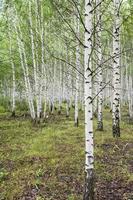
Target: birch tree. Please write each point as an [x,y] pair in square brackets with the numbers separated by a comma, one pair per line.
[116,70]
[89,163]
[99,66]
[13,71]
[34,60]
[78,69]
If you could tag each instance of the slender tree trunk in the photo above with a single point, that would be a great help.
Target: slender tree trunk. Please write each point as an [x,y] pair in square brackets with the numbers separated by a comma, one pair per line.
[100,75]
[130,98]
[53,86]
[77,71]
[13,89]
[45,106]
[34,61]
[60,87]
[89,163]
[68,85]
[45,93]
[43,67]
[116,71]
[13,75]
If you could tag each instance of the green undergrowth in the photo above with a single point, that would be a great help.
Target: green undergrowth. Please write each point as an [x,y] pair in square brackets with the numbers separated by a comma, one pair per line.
[47,162]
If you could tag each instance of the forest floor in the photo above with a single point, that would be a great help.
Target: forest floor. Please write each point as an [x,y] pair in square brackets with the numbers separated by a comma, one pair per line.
[47,162]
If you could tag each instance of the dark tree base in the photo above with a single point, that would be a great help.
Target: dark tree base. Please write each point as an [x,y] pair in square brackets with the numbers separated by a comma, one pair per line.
[41,115]
[51,110]
[100,126]
[116,130]
[36,121]
[59,112]
[13,114]
[77,123]
[55,108]
[89,186]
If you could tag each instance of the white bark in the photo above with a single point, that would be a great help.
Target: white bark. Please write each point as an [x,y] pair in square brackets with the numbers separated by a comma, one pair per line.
[89,163]
[54,65]
[68,85]
[99,66]
[43,67]
[77,70]
[13,87]
[34,61]
[88,87]
[60,87]
[13,74]
[116,71]
[130,97]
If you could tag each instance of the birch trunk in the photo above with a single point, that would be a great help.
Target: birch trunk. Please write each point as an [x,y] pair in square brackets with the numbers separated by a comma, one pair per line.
[13,75]
[68,85]
[34,61]
[53,85]
[116,71]
[13,88]
[43,69]
[89,163]
[60,88]
[77,71]
[130,98]
[100,75]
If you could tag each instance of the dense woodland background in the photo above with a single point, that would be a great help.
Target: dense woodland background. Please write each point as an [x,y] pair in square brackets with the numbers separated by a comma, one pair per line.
[60,59]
